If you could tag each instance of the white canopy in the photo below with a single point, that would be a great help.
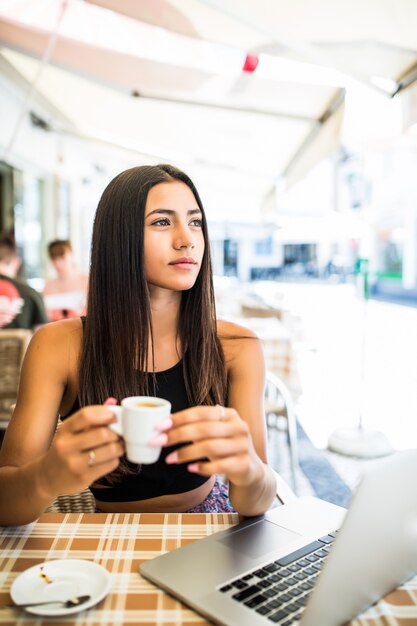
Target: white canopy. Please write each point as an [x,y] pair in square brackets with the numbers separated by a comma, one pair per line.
[164,80]
[374,41]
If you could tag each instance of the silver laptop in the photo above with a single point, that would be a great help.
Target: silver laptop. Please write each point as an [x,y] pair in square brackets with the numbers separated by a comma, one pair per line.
[293,565]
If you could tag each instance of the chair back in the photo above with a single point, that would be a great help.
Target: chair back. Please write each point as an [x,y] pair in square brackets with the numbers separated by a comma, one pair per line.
[260,311]
[279,402]
[82,502]
[13,344]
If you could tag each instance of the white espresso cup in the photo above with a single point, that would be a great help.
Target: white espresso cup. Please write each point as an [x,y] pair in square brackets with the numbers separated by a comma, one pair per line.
[137,418]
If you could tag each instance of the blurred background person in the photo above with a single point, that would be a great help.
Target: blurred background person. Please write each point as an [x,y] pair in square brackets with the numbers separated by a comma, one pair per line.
[65,295]
[20,305]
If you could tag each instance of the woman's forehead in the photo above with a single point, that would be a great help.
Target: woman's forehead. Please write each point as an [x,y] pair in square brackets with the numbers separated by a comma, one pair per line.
[173,195]
[59,251]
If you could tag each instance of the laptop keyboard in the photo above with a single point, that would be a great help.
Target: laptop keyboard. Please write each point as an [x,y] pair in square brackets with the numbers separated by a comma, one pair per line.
[279,590]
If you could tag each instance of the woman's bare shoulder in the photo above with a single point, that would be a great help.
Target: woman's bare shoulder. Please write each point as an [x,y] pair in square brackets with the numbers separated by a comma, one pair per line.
[230,330]
[237,340]
[61,329]
[244,359]
[52,357]
[55,335]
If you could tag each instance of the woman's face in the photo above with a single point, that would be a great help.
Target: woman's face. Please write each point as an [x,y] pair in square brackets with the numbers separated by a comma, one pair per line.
[64,263]
[174,241]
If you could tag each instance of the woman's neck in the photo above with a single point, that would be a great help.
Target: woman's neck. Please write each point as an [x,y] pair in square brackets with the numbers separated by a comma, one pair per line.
[166,345]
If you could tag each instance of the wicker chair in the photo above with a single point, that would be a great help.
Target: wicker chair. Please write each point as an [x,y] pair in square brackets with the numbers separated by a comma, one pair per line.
[82,502]
[13,344]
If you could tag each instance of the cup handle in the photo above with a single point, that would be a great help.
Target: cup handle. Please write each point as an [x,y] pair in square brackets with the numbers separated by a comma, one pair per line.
[116,426]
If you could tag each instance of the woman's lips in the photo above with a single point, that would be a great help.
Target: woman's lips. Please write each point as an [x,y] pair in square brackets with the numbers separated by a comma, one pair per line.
[184,263]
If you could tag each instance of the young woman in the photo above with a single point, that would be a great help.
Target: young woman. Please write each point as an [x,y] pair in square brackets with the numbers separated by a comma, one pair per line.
[65,295]
[150,329]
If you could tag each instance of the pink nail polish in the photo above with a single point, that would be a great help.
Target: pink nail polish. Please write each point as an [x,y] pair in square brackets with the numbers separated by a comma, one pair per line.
[172,458]
[165,425]
[193,467]
[110,402]
[160,440]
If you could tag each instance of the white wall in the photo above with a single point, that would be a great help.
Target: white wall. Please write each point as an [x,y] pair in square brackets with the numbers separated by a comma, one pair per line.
[51,157]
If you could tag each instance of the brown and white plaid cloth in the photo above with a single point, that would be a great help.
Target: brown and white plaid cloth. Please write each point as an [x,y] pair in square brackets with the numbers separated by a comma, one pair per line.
[120,542]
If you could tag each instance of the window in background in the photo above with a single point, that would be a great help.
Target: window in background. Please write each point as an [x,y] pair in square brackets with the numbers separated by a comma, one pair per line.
[264,247]
[231,247]
[299,253]
[28,202]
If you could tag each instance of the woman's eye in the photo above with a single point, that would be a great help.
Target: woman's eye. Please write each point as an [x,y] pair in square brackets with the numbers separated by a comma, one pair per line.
[162,222]
[197,222]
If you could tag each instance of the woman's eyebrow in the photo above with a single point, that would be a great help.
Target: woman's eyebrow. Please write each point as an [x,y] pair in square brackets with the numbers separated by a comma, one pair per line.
[171,212]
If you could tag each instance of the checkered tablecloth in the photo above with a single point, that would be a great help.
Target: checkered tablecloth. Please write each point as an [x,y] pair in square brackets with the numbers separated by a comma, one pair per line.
[120,542]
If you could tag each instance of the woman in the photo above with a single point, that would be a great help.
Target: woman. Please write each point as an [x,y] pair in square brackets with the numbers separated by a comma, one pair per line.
[65,295]
[150,329]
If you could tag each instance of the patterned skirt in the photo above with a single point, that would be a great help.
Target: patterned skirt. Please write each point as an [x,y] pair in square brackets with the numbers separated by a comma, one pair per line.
[217,501]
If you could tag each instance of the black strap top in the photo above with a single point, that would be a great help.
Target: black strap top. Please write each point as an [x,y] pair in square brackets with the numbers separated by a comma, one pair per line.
[156,479]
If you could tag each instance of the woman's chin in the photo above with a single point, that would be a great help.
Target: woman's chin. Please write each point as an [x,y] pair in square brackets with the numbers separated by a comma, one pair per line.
[172,285]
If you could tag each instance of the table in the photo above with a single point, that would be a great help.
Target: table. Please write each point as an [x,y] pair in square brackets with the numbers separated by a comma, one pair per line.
[120,542]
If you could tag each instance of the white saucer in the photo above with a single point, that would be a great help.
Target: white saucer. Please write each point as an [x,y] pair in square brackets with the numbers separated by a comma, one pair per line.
[69,578]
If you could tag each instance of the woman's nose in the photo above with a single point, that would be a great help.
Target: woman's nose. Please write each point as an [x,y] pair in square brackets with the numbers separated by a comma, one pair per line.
[183,239]
[182,243]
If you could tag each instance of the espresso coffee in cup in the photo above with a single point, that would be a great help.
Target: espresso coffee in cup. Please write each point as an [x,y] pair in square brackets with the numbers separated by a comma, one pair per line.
[148,404]
[137,418]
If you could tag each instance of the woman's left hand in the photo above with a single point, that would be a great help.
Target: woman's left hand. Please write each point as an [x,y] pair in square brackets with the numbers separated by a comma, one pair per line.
[220,437]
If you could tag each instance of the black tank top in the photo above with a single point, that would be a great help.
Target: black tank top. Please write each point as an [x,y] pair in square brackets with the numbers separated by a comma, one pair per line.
[156,479]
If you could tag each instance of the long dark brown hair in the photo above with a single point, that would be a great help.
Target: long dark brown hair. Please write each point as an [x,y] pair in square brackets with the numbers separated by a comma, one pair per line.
[115,346]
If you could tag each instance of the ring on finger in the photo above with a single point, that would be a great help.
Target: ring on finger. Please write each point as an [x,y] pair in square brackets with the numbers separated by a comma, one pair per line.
[91,458]
[222,412]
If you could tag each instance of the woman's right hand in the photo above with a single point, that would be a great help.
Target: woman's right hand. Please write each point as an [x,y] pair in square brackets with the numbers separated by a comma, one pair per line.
[83,450]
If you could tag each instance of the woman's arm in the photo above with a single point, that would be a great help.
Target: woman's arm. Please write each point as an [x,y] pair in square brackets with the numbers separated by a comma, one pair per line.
[35,466]
[246,374]
[233,439]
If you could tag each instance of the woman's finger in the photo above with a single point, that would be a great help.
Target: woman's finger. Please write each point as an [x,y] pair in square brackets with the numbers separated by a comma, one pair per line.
[201,413]
[212,449]
[110,402]
[239,469]
[196,431]
[99,456]
[224,466]
[95,415]
[97,437]
[69,443]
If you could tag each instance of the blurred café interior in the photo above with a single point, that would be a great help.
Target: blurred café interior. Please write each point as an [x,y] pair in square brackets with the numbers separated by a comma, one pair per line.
[298,123]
